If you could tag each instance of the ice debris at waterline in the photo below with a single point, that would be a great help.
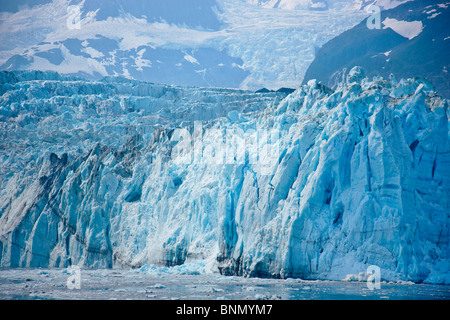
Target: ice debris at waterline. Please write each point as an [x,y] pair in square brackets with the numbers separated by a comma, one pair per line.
[318,184]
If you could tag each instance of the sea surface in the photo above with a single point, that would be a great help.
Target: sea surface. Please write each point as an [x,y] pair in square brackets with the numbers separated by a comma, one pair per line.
[126,284]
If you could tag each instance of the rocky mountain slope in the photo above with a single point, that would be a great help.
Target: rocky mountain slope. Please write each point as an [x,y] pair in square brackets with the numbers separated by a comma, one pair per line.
[414,39]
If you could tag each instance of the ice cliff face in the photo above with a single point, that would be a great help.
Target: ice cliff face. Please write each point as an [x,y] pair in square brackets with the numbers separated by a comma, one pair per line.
[318,184]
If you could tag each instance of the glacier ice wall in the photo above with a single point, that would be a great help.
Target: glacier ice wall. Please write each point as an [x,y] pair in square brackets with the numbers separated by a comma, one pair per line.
[317,184]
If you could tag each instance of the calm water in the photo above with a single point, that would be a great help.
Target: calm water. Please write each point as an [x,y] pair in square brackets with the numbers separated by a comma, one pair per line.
[131,284]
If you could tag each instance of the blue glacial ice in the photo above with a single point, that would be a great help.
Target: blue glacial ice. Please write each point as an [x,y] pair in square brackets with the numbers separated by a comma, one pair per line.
[318,184]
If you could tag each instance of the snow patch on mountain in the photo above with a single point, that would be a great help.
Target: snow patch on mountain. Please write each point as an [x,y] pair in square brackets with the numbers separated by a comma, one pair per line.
[389,4]
[407,29]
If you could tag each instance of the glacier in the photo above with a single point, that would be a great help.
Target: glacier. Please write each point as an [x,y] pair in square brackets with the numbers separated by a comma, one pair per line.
[317,184]
[214,43]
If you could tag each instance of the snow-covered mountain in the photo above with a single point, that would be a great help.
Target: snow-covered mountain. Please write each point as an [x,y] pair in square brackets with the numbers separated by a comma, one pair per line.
[413,39]
[326,4]
[208,43]
[317,184]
